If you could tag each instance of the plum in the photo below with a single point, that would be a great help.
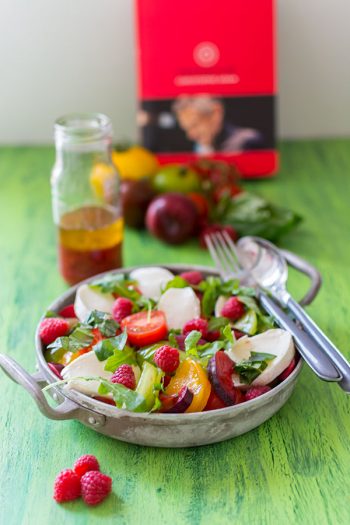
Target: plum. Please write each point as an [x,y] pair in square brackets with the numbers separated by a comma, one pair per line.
[135,197]
[220,369]
[172,217]
[178,403]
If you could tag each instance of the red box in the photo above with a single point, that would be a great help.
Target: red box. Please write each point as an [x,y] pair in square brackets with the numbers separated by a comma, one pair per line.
[206,81]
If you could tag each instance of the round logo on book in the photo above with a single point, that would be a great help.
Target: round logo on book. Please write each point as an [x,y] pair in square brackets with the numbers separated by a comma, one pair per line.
[206,54]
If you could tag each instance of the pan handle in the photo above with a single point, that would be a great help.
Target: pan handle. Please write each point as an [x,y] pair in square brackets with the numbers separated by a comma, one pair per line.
[303,266]
[66,410]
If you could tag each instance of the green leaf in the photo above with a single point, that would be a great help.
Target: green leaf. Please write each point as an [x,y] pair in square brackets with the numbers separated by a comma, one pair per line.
[126,356]
[51,313]
[216,323]
[59,343]
[117,284]
[81,337]
[172,338]
[105,348]
[104,322]
[228,335]
[248,323]
[176,282]
[251,214]
[207,351]
[147,353]
[192,340]
[251,368]
[124,397]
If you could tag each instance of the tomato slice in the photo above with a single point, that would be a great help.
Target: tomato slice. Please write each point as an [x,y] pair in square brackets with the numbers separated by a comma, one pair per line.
[144,328]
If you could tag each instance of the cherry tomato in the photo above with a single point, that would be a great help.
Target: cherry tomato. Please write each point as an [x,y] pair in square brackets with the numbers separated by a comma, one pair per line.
[144,328]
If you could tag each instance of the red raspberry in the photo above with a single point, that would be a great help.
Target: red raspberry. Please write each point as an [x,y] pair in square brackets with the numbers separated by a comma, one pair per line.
[51,328]
[124,375]
[287,371]
[95,487]
[213,335]
[238,333]
[67,486]
[167,358]
[201,325]
[256,391]
[67,311]
[122,307]
[216,228]
[84,464]
[193,277]
[233,309]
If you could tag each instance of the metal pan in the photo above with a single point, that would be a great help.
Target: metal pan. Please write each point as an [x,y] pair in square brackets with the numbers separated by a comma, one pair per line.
[159,430]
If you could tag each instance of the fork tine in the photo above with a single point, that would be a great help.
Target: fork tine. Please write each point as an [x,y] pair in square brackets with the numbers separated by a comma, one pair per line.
[231,255]
[233,247]
[214,255]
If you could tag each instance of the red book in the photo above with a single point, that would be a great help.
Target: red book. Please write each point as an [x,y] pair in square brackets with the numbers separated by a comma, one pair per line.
[206,81]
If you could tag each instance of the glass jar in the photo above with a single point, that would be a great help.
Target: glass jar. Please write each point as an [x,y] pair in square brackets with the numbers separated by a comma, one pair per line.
[85,197]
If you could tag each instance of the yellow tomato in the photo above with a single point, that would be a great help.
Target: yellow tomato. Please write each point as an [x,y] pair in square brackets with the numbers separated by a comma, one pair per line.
[135,162]
[191,374]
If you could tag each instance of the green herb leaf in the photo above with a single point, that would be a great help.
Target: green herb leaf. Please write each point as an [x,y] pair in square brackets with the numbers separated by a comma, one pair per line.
[105,348]
[147,353]
[104,322]
[51,313]
[59,343]
[126,356]
[228,335]
[124,397]
[117,284]
[251,368]
[251,214]
[216,323]
[176,282]
[192,340]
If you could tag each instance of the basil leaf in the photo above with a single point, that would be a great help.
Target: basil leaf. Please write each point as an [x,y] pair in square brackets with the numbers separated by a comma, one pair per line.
[251,368]
[251,214]
[192,340]
[228,335]
[60,342]
[126,356]
[105,348]
[207,351]
[81,337]
[216,323]
[117,284]
[176,282]
[124,397]
[103,322]
[50,313]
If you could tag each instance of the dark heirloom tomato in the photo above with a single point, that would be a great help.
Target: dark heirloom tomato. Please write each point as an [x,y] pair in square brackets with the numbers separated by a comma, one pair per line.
[145,328]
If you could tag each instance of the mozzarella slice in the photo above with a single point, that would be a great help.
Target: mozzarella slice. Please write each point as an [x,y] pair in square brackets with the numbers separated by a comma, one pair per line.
[87,365]
[221,300]
[276,341]
[151,281]
[87,299]
[179,306]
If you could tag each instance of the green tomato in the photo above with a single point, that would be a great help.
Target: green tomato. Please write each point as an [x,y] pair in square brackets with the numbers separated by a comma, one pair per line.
[177,178]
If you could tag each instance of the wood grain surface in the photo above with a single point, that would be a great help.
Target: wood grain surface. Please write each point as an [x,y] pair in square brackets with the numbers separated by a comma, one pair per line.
[294,469]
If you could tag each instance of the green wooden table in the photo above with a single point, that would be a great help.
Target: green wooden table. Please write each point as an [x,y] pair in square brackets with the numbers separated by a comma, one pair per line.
[294,469]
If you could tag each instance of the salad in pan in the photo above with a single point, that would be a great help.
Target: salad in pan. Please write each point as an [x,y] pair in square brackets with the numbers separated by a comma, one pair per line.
[152,341]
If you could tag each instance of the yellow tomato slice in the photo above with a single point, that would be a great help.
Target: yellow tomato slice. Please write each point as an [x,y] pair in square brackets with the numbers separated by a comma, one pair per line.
[191,374]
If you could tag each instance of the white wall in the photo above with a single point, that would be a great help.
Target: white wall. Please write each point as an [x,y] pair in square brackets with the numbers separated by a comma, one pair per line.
[58,56]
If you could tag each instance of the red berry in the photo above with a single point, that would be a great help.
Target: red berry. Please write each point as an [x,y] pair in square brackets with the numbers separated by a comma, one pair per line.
[193,277]
[51,328]
[167,358]
[213,335]
[201,325]
[122,307]
[256,391]
[124,375]
[95,487]
[67,486]
[233,309]
[238,333]
[288,370]
[84,464]
[216,228]
[67,311]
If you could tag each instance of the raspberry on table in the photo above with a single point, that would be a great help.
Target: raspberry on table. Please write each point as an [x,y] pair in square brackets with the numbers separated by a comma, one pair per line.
[67,311]
[167,359]
[201,325]
[67,486]
[95,487]
[84,464]
[124,375]
[233,309]
[51,328]
[122,308]
[256,391]
[194,277]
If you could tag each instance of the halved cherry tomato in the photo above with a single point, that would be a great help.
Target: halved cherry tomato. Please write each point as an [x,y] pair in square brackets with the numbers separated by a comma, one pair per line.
[191,374]
[144,328]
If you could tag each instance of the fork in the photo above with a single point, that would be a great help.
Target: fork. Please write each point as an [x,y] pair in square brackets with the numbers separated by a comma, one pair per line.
[225,256]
